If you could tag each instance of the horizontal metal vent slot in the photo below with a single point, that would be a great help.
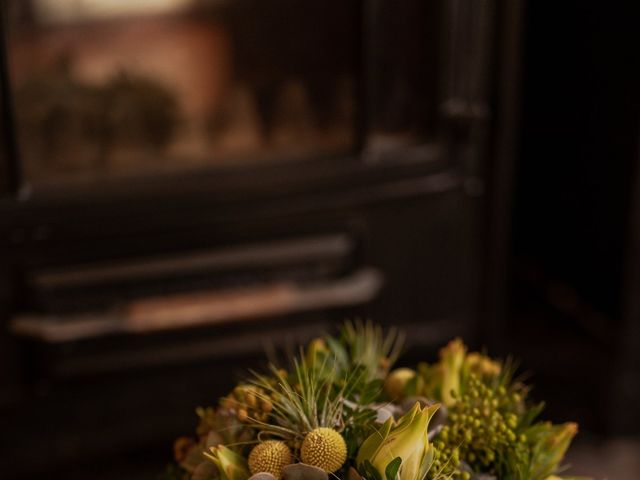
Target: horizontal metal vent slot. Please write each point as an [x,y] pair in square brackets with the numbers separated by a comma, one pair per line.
[259,255]
[203,308]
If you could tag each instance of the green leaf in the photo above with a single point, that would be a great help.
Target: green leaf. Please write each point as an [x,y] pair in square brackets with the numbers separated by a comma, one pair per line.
[371,392]
[428,461]
[529,416]
[391,472]
[370,471]
[338,351]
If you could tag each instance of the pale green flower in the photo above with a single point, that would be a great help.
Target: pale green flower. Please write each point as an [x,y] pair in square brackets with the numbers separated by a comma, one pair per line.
[550,443]
[230,465]
[399,451]
[452,360]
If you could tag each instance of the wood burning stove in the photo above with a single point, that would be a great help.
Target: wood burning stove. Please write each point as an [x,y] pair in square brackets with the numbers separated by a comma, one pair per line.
[177,170]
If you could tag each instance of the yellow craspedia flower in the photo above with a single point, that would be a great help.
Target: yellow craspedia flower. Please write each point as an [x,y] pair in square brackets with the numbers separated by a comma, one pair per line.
[270,456]
[324,448]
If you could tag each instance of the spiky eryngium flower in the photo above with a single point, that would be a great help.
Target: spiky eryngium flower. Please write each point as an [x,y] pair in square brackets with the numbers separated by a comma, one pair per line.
[231,466]
[270,456]
[402,449]
[324,448]
[369,346]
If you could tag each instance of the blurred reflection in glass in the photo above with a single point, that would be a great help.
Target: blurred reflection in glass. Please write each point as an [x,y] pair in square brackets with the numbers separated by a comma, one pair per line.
[110,87]
[404,76]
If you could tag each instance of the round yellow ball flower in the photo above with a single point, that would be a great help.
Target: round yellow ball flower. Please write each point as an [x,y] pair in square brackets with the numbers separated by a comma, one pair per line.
[324,448]
[270,456]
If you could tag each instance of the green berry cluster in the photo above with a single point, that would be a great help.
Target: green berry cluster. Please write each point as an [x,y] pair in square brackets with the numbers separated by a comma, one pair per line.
[483,425]
[445,463]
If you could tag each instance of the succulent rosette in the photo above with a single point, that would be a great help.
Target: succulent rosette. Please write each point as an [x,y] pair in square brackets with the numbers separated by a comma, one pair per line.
[340,410]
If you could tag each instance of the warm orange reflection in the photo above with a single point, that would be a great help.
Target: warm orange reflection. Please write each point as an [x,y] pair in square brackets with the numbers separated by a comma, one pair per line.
[100,93]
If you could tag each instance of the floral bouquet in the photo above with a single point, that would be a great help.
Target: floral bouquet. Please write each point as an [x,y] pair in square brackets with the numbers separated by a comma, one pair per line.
[340,409]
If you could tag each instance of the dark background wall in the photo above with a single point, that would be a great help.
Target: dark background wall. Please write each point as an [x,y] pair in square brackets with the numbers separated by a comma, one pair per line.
[574,204]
